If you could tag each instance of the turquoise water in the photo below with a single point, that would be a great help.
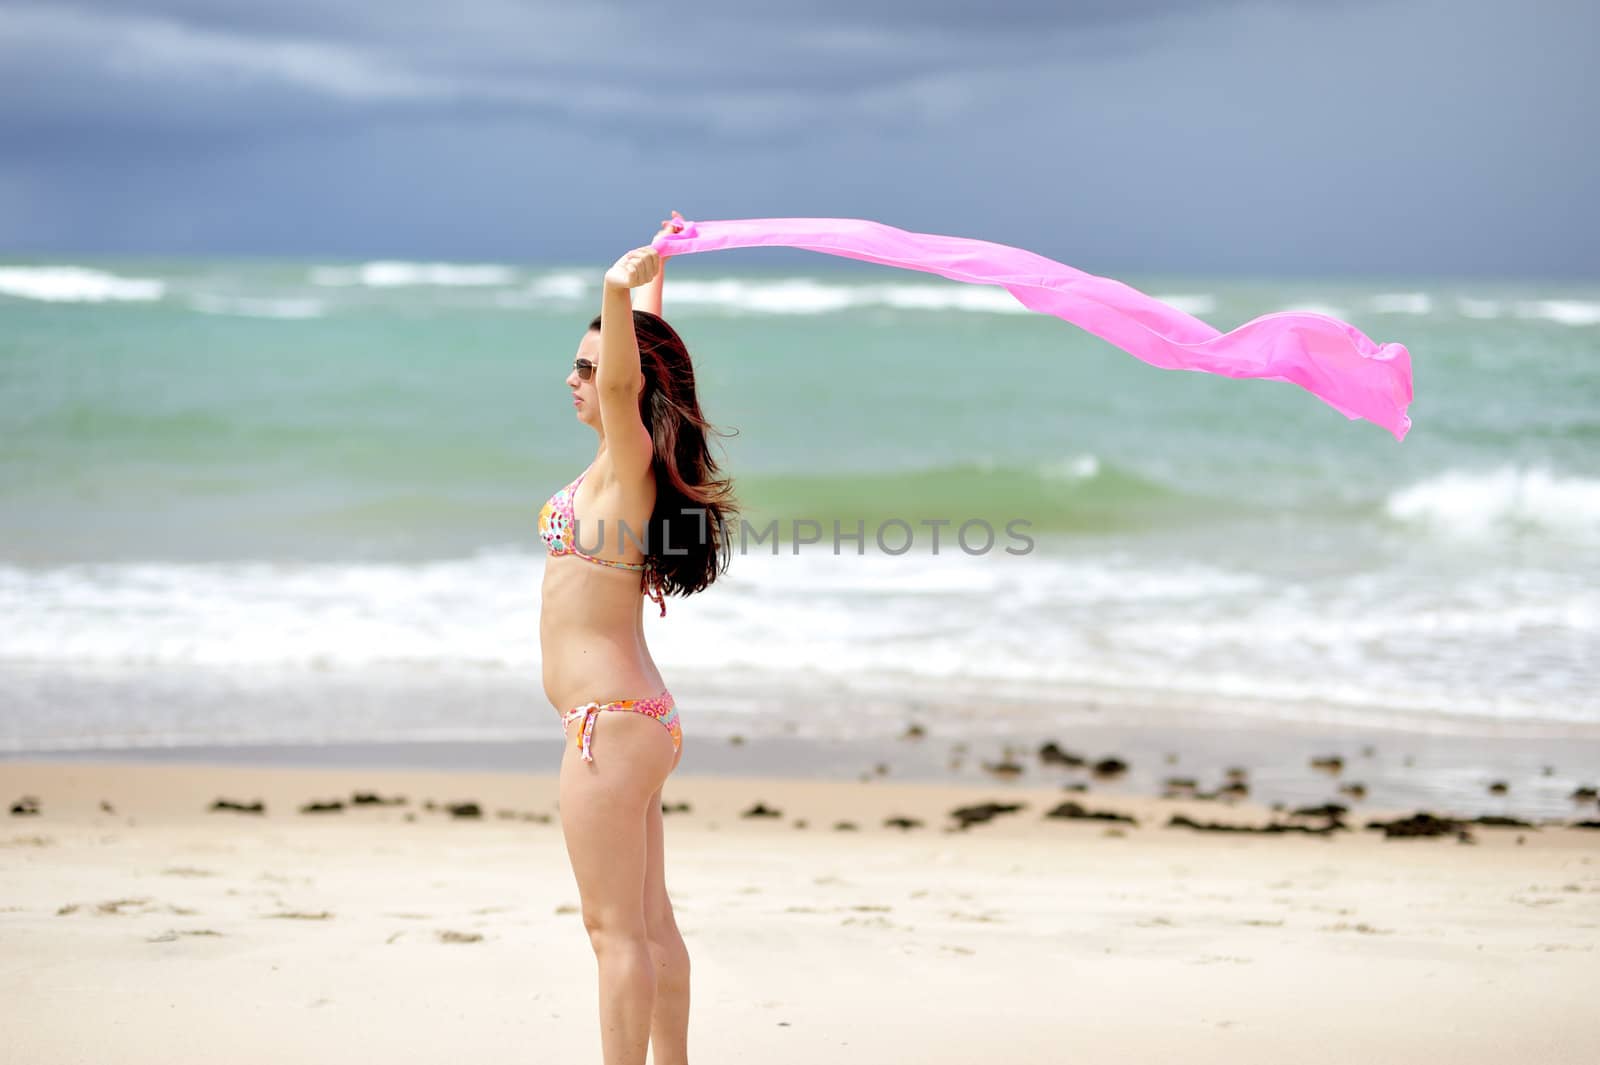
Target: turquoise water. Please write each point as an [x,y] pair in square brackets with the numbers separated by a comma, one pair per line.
[251,475]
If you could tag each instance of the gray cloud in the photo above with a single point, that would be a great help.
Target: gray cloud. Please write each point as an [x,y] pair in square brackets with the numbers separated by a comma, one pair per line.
[1234,135]
[219,66]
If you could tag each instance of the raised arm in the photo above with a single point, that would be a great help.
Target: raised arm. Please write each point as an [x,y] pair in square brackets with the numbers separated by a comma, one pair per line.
[652,292]
[618,378]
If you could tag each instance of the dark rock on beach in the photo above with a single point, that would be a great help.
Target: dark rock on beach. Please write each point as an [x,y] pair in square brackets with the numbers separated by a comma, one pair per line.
[1499,787]
[257,807]
[1328,764]
[674,807]
[844,826]
[901,822]
[1331,810]
[1419,824]
[761,809]
[1003,769]
[1052,754]
[1271,828]
[27,806]
[1110,767]
[465,810]
[331,807]
[1585,794]
[1071,811]
[367,798]
[982,813]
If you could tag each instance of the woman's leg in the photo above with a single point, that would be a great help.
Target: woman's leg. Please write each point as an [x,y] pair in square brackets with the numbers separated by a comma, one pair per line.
[669,1024]
[603,818]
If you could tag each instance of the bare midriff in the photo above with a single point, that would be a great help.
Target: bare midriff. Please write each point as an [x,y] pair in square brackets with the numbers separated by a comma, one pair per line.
[591,635]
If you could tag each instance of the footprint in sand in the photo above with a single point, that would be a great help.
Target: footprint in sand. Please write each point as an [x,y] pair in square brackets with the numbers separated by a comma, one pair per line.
[870,922]
[172,934]
[128,907]
[1362,927]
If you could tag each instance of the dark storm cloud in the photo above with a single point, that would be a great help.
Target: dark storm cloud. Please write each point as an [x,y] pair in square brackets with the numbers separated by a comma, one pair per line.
[1232,135]
[721,67]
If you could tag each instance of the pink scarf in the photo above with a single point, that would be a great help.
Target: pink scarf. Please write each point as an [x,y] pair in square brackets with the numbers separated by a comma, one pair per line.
[1332,360]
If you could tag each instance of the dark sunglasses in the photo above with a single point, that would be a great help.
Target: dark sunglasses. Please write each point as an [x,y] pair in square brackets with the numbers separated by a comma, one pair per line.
[585,368]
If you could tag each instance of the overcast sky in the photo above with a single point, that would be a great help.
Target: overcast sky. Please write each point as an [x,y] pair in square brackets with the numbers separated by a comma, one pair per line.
[1292,137]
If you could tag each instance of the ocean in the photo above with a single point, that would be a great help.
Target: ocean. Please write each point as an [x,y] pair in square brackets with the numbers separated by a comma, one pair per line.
[293,503]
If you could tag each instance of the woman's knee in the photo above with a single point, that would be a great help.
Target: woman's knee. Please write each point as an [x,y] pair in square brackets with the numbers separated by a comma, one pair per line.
[615,933]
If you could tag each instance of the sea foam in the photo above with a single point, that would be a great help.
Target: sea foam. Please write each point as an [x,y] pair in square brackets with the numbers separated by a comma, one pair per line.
[76,284]
[1476,504]
[394,274]
[253,307]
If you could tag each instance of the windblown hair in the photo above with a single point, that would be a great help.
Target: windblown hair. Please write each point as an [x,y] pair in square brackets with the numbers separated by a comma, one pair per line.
[688,538]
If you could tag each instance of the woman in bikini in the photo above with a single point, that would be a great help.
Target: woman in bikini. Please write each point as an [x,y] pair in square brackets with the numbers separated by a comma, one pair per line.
[645,520]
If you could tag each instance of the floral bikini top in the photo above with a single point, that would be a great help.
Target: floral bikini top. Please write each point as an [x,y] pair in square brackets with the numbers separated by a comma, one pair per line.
[557,528]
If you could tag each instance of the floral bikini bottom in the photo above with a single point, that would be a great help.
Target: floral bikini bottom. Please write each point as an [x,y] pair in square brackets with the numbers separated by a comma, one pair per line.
[660,707]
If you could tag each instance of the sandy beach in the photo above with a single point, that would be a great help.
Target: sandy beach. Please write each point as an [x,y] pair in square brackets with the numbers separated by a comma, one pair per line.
[137,923]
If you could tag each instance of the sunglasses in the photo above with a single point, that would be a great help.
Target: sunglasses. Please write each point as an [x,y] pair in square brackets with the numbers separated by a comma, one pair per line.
[585,368]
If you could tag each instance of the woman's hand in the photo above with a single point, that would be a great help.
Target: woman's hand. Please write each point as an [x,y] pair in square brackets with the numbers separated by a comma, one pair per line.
[673,224]
[635,268]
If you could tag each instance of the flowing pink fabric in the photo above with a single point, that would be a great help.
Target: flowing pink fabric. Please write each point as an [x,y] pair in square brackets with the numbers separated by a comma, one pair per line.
[1332,360]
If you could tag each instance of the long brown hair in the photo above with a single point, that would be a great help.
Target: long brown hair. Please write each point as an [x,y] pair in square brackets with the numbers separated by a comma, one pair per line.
[688,535]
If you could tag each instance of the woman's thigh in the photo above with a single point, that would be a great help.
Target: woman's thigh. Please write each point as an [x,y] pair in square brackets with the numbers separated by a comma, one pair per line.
[604,814]
[659,920]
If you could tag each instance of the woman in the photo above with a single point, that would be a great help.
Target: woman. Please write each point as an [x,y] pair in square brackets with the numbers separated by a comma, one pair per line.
[645,519]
